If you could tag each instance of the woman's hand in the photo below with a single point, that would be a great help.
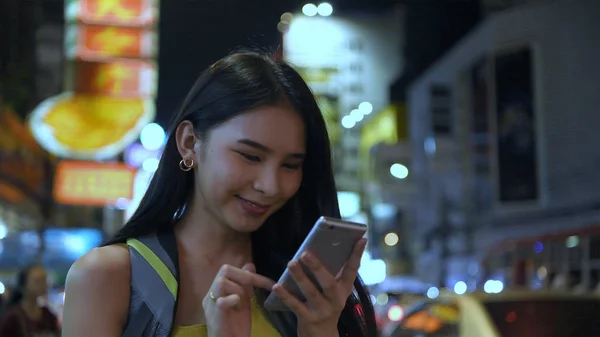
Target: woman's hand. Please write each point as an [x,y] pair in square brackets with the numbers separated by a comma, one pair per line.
[320,314]
[227,305]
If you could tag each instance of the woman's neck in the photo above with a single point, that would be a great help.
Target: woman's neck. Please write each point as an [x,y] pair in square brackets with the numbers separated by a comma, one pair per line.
[204,237]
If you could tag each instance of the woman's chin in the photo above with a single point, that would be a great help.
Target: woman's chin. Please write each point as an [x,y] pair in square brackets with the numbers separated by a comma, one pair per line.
[244,224]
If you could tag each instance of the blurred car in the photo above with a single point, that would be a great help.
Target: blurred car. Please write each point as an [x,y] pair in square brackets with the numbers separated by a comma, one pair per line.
[507,314]
[395,293]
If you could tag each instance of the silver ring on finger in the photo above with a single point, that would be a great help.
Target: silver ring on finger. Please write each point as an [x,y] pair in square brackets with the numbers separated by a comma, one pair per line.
[212,296]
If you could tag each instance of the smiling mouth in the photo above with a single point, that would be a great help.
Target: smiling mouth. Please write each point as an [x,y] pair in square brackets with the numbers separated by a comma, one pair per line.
[253,204]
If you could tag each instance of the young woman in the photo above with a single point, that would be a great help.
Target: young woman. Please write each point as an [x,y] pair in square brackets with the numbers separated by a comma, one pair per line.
[25,317]
[245,173]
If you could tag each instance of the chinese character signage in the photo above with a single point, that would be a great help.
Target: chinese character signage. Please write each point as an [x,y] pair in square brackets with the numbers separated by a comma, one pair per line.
[92,183]
[111,80]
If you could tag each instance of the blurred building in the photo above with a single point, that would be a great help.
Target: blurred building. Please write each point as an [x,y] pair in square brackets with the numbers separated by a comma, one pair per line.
[33,227]
[30,33]
[23,180]
[427,30]
[504,150]
[98,84]
[349,66]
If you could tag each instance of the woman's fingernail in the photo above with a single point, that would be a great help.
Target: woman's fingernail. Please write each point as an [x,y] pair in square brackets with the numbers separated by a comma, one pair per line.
[308,258]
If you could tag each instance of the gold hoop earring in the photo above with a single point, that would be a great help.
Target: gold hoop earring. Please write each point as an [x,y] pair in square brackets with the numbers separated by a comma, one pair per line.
[186,164]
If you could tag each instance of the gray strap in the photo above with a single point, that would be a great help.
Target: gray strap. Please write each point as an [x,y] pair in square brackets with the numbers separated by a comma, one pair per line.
[138,322]
[152,304]
[151,241]
[151,289]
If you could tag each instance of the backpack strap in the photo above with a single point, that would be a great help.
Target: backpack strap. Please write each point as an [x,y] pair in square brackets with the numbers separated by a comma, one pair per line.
[154,285]
[155,263]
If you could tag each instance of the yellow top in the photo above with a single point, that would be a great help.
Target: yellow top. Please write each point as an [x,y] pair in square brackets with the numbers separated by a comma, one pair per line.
[261,327]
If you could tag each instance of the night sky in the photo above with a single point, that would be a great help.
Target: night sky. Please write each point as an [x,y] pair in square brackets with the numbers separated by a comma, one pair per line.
[196,33]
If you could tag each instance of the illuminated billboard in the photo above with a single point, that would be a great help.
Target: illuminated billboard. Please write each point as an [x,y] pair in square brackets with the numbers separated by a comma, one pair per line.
[110,78]
[93,184]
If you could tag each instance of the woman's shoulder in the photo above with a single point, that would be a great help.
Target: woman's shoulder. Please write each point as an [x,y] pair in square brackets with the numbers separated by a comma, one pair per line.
[102,261]
[102,267]
[98,285]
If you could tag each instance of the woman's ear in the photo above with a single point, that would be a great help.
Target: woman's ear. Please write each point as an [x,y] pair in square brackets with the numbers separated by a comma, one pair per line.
[186,140]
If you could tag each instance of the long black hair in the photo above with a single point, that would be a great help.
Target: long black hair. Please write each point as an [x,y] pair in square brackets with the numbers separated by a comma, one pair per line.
[233,85]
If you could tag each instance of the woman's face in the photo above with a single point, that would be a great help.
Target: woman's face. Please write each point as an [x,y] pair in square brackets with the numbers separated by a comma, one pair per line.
[250,166]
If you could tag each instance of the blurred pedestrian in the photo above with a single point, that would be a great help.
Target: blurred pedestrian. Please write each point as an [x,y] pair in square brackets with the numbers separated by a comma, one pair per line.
[24,316]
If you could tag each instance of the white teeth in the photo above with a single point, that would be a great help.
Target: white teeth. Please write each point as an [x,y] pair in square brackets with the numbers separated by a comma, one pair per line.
[251,204]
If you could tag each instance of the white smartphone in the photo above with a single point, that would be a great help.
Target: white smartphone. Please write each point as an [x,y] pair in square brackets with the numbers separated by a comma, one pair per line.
[331,241]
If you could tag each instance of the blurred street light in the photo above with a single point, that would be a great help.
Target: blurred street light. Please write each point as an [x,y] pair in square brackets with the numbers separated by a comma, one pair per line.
[460,287]
[153,137]
[391,239]
[309,9]
[357,115]
[325,9]
[282,26]
[348,122]
[399,171]
[365,108]
[286,18]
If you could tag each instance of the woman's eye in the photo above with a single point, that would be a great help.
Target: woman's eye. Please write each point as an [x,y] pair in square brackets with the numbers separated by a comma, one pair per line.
[250,157]
[293,166]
